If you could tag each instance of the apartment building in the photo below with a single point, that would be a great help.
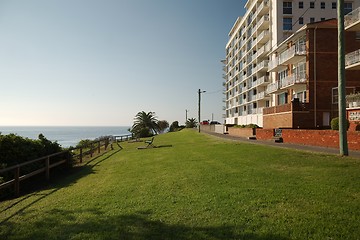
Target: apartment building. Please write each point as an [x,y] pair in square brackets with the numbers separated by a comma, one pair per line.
[352,24]
[265,24]
[305,89]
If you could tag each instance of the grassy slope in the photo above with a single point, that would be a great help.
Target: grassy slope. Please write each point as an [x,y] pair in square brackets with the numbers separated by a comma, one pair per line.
[201,188]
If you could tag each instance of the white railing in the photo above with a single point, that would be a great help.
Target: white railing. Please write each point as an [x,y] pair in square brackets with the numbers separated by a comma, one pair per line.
[352,17]
[291,52]
[262,35]
[352,58]
[261,80]
[272,87]
[263,64]
[262,20]
[292,79]
[261,7]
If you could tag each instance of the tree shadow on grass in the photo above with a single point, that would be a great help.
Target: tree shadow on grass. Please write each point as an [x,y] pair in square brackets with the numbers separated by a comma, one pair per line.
[94,224]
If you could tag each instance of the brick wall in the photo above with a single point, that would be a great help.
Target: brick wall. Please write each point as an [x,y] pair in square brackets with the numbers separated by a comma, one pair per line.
[241,132]
[322,138]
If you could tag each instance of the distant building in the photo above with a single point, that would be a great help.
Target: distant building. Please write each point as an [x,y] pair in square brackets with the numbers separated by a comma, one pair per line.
[305,89]
[264,26]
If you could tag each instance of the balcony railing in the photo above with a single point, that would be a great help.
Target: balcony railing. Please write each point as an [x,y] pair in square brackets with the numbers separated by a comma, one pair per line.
[291,52]
[352,17]
[272,87]
[295,106]
[292,80]
[352,58]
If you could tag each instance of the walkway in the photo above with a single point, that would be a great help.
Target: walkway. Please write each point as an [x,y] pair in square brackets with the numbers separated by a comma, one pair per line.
[354,154]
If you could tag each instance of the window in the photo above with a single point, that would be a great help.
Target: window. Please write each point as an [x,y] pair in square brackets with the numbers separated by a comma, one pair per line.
[322,5]
[287,23]
[282,98]
[312,4]
[347,7]
[312,20]
[322,19]
[301,4]
[357,35]
[333,5]
[287,7]
[301,20]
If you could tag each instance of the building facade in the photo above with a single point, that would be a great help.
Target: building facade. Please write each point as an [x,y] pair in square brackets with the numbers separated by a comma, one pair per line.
[265,24]
[305,89]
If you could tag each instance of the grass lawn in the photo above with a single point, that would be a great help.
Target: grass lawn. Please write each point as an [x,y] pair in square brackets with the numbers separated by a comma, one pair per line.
[201,188]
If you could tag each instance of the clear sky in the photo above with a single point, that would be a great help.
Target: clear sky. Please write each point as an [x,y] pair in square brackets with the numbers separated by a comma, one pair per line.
[99,62]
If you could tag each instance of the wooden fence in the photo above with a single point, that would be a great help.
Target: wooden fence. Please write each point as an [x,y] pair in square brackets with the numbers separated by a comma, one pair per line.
[48,162]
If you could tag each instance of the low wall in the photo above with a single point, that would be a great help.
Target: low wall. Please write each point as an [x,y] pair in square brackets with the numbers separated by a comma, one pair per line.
[241,132]
[322,138]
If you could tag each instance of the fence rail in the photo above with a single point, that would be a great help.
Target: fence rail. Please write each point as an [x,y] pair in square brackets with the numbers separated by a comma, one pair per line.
[50,161]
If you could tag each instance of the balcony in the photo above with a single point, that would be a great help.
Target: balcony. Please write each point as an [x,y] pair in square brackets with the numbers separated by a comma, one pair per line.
[263,37]
[292,80]
[352,60]
[352,20]
[263,23]
[272,87]
[264,80]
[275,66]
[262,66]
[262,8]
[295,106]
[294,54]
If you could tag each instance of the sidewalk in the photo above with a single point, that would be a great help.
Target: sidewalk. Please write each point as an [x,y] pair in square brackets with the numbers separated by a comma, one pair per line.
[335,151]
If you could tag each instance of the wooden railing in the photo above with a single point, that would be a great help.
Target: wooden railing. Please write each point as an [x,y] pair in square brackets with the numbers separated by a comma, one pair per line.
[48,162]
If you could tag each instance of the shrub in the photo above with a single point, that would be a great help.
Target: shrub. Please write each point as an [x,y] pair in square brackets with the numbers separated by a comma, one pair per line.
[335,124]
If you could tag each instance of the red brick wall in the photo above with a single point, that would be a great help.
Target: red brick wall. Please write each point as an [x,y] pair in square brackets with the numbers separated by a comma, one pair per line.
[322,138]
[283,120]
[264,134]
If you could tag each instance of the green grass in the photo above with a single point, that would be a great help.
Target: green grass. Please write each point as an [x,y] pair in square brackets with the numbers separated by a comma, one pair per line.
[201,188]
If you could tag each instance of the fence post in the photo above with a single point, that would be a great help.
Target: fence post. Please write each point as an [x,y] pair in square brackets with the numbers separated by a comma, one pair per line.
[81,154]
[17,181]
[47,168]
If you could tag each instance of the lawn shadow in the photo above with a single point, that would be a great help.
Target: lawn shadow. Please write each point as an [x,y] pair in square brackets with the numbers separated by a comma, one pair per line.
[34,194]
[95,224]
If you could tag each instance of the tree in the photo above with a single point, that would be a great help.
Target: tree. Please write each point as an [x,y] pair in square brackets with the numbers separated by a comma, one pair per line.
[163,125]
[145,124]
[191,123]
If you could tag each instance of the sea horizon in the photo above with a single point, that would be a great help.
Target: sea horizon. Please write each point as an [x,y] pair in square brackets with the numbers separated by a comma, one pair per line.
[66,136]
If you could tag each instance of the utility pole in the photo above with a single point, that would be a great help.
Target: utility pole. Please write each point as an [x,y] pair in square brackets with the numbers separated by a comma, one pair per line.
[186,118]
[343,145]
[199,94]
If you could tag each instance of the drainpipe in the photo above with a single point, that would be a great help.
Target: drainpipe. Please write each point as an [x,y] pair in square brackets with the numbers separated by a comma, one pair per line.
[315,90]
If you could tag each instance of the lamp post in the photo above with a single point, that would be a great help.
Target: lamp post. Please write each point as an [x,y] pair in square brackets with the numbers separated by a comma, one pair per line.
[186,111]
[199,93]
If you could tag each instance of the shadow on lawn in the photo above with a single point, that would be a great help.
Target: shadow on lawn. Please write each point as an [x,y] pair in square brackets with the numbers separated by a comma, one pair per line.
[94,224]
[68,179]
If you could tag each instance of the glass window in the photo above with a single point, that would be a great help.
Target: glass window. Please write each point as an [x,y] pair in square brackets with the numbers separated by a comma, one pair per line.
[301,20]
[347,7]
[287,7]
[312,20]
[301,4]
[333,5]
[322,19]
[312,4]
[322,4]
[287,23]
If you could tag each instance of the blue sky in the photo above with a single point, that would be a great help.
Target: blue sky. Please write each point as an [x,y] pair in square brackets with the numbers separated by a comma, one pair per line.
[99,62]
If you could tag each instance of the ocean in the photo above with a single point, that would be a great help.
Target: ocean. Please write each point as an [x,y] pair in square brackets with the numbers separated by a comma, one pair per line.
[65,136]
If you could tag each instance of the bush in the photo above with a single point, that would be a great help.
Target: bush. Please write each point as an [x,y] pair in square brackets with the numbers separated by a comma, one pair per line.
[335,124]
[251,125]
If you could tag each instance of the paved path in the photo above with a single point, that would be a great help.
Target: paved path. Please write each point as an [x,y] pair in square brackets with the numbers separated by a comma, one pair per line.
[354,154]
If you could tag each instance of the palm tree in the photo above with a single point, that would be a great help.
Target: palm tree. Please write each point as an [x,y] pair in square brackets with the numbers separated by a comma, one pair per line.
[145,124]
[191,123]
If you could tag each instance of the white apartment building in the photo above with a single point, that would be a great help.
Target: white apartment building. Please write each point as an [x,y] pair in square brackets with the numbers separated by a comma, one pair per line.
[265,24]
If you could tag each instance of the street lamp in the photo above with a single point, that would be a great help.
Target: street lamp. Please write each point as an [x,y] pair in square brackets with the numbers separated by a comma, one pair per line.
[199,93]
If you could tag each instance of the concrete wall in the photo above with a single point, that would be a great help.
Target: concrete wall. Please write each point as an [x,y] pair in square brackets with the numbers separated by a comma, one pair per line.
[241,132]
